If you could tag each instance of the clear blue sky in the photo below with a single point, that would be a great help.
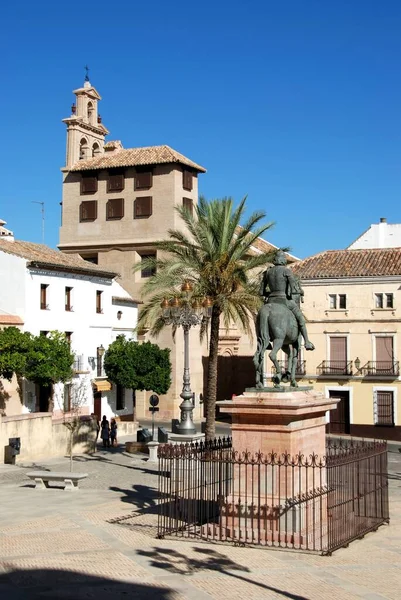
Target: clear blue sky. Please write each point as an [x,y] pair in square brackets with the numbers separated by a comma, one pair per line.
[295,103]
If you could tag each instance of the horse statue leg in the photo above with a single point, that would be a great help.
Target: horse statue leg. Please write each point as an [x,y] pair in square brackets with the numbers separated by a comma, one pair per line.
[277,345]
[295,353]
[286,377]
[262,332]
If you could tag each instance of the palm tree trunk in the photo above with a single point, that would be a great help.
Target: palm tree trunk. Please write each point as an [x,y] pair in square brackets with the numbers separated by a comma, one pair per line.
[211,391]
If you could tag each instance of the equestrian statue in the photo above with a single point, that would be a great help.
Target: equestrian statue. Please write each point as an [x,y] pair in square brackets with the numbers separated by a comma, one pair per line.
[280,324]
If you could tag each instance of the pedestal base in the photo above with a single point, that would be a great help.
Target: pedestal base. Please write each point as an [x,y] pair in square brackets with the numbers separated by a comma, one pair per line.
[179,438]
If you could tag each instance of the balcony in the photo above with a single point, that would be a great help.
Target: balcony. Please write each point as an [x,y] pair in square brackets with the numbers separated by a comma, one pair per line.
[79,365]
[335,367]
[381,368]
[299,371]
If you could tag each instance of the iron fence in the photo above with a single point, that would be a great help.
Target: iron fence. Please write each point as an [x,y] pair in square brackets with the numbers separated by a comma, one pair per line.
[210,491]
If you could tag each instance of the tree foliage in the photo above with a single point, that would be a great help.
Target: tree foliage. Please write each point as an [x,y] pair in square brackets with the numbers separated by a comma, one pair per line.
[216,253]
[43,360]
[138,366]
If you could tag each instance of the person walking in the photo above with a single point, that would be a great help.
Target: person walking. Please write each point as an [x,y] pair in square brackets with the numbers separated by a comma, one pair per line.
[113,432]
[105,432]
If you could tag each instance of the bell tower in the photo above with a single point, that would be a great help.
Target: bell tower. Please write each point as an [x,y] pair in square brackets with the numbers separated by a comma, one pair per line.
[85,132]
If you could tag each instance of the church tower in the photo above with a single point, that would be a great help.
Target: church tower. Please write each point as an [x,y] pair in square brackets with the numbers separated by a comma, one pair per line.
[85,132]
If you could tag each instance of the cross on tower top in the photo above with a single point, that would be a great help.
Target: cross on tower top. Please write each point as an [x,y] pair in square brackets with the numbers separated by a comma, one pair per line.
[87,73]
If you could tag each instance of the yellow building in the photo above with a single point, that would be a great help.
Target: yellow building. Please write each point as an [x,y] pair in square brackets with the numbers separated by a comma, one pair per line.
[353,308]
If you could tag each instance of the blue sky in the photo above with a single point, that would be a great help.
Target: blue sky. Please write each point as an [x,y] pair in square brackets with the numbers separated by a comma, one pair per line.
[296,104]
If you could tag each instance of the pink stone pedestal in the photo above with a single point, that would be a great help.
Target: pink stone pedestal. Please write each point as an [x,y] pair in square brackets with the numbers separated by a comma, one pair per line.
[276,499]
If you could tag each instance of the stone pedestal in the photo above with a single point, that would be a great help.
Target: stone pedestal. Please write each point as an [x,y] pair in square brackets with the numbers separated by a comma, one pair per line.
[278,492]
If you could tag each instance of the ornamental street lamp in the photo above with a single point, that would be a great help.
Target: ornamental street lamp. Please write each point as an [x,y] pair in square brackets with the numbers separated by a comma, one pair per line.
[186,312]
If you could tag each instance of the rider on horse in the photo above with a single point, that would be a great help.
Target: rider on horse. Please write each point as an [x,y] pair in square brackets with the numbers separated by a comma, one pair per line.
[279,285]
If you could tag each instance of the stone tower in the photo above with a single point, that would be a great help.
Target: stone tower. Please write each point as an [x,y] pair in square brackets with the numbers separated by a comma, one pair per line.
[85,132]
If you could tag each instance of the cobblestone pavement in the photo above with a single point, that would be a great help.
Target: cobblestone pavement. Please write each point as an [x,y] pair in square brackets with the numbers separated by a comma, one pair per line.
[55,544]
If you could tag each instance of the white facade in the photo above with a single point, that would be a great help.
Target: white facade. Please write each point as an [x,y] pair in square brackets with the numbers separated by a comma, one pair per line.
[379,235]
[87,328]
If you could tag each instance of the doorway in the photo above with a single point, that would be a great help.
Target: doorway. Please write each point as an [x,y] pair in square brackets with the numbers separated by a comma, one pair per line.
[44,393]
[340,416]
[97,405]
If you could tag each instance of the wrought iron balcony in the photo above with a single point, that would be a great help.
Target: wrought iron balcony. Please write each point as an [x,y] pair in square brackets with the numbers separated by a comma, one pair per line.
[299,371]
[381,368]
[79,365]
[335,367]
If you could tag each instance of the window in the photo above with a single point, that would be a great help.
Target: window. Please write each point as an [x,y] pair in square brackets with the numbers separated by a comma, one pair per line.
[143,180]
[99,309]
[337,301]
[43,296]
[188,203]
[88,184]
[384,301]
[91,113]
[68,335]
[120,399]
[83,149]
[95,149]
[88,211]
[115,209]
[68,306]
[67,397]
[92,259]
[115,182]
[44,333]
[147,271]
[187,179]
[384,408]
[143,207]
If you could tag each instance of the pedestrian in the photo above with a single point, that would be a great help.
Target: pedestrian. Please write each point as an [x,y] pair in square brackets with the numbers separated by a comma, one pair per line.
[113,432]
[96,420]
[105,432]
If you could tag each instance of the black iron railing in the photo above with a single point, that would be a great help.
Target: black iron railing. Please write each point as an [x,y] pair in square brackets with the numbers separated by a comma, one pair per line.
[300,368]
[335,367]
[387,368]
[212,492]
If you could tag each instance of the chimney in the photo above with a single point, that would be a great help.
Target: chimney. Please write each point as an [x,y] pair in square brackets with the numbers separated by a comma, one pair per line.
[383,220]
[5,234]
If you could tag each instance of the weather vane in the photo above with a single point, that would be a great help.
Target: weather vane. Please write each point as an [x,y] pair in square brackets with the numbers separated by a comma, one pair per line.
[87,73]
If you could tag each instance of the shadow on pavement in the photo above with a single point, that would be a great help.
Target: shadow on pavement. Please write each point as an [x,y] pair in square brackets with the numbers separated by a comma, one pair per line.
[48,584]
[209,560]
[141,496]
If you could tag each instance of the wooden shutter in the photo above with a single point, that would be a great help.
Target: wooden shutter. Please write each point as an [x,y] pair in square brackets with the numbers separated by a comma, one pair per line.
[115,182]
[88,184]
[384,408]
[188,203]
[187,180]
[384,354]
[143,180]
[338,354]
[115,209]
[143,207]
[88,210]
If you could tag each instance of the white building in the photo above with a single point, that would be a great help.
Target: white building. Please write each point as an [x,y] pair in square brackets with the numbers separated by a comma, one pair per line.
[45,290]
[379,235]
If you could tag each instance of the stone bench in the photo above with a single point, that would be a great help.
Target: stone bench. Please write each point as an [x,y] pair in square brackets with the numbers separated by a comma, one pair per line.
[42,478]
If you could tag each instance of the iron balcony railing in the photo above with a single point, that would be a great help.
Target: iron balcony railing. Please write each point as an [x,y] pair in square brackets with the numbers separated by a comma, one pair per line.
[79,364]
[300,369]
[388,368]
[335,367]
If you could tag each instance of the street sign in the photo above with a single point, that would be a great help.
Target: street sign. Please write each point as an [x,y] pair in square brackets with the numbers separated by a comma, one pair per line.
[153,409]
[154,400]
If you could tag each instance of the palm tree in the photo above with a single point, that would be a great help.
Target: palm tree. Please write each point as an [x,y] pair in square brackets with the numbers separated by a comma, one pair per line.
[215,255]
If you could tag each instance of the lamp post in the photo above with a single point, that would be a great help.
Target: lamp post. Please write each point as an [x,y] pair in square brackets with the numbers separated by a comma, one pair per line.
[186,312]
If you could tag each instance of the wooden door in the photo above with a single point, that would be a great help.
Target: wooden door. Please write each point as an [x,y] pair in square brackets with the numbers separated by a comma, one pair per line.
[339,417]
[97,405]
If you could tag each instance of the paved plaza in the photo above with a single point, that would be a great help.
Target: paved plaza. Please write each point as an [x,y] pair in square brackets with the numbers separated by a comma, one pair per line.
[100,542]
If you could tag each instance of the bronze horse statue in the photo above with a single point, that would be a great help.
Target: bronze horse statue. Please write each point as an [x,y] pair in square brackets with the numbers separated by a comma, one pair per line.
[278,329]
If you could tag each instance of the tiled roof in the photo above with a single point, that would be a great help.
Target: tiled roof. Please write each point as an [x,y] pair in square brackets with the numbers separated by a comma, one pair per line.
[132,157]
[43,256]
[264,246]
[123,300]
[10,320]
[375,262]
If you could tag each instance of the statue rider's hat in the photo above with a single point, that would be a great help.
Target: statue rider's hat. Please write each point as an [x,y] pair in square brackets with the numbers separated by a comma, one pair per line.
[280,258]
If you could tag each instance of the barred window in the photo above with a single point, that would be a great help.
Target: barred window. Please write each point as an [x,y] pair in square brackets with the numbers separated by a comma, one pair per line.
[384,408]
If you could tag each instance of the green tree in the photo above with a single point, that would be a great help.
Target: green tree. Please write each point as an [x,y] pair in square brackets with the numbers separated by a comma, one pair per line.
[15,345]
[49,359]
[215,254]
[138,366]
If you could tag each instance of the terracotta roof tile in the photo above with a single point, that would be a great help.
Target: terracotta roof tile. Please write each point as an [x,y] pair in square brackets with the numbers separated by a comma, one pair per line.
[43,256]
[10,320]
[375,262]
[131,157]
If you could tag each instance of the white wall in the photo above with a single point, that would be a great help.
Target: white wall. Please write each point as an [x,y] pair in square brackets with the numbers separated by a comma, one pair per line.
[12,287]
